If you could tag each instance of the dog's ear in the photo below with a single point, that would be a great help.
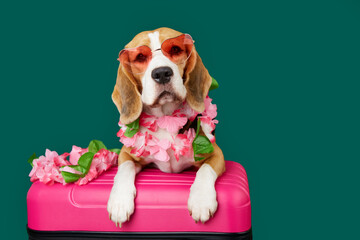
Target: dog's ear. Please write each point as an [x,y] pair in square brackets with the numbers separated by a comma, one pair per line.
[197,82]
[126,96]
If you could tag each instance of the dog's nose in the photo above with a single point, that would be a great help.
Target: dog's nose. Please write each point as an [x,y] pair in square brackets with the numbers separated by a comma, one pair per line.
[162,75]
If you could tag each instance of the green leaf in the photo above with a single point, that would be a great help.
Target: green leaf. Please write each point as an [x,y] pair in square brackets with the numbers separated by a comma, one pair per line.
[132,128]
[214,84]
[202,144]
[134,124]
[115,150]
[70,177]
[96,145]
[85,160]
[198,158]
[130,132]
[31,159]
[197,127]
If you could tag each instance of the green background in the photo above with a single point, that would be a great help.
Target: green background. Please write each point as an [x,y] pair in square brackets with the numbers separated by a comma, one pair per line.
[288,102]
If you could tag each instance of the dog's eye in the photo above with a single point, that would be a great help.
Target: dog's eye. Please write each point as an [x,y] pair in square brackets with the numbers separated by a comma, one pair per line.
[175,50]
[140,58]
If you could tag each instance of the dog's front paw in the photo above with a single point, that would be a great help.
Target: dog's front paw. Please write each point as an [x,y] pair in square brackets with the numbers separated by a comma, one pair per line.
[121,203]
[202,202]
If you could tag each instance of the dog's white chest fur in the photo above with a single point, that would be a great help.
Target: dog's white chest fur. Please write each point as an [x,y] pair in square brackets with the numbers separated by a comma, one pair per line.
[171,166]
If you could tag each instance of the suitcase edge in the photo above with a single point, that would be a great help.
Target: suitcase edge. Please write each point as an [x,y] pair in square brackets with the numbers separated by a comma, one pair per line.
[86,235]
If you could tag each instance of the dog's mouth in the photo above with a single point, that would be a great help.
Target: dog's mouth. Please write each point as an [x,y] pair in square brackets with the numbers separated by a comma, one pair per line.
[166,97]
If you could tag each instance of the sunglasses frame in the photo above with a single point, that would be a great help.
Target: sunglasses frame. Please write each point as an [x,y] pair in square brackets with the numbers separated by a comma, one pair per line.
[160,49]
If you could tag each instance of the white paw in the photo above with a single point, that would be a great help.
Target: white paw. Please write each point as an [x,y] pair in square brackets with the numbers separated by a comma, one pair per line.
[202,202]
[121,203]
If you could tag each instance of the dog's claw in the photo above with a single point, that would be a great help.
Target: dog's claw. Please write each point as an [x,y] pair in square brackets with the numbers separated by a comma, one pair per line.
[116,224]
[127,216]
[211,214]
[120,225]
[110,216]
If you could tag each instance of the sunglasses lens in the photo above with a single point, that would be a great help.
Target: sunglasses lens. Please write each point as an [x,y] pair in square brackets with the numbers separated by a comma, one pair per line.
[178,49]
[136,59]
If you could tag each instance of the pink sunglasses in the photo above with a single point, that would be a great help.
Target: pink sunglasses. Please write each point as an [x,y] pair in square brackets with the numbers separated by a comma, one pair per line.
[177,49]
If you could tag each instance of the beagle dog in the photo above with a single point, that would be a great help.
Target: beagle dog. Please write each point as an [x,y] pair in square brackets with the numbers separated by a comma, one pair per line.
[155,83]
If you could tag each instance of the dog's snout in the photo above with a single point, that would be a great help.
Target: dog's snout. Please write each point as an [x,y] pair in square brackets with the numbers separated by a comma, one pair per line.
[162,75]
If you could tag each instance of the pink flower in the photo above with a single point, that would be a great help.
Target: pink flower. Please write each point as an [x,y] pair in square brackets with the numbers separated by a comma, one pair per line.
[171,123]
[121,132]
[148,121]
[140,145]
[158,149]
[208,126]
[102,161]
[76,153]
[186,111]
[182,144]
[46,168]
[92,174]
[129,142]
[210,109]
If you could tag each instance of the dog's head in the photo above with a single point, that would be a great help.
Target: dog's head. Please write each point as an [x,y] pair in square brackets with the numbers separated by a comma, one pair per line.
[158,67]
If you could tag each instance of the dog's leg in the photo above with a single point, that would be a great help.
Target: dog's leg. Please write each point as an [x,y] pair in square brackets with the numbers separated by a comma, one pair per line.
[202,202]
[121,201]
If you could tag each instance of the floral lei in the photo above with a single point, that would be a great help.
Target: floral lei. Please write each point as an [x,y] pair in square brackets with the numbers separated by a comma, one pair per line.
[189,143]
[86,164]
[83,165]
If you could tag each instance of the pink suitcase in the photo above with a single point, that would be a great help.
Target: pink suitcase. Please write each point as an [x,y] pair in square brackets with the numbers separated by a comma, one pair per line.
[79,212]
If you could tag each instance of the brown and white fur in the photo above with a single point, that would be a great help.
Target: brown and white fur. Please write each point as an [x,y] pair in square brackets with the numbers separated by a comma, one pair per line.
[134,93]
